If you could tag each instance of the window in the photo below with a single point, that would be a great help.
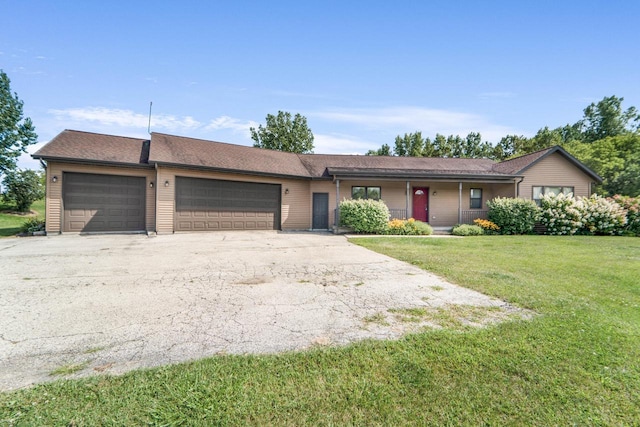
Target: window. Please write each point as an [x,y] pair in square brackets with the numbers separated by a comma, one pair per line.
[476,198]
[374,193]
[539,191]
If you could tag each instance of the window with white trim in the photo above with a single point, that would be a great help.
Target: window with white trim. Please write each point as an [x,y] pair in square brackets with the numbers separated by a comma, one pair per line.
[475,201]
[542,190]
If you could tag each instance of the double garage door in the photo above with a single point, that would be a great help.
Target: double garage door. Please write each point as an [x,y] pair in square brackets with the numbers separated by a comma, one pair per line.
[98,203]
[210,204]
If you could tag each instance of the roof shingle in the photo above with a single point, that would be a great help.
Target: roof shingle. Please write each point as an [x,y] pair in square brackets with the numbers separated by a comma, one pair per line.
[94,147]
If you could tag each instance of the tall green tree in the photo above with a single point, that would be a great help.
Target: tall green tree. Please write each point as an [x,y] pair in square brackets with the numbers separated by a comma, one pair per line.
[410,145]
[16,132]
[607,118]
[284,134]
[22,188]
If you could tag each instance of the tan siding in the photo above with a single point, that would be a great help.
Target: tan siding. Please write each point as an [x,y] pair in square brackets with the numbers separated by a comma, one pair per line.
[555,170]
[295,214]
[54,206]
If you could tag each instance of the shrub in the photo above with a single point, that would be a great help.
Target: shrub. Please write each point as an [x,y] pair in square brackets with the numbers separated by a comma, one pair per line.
[409,227]
[364,215]
[632,206]
[32,224]
[487,226]
[513,216]
[560,214]
[22,188]
[601,216]
[467,230]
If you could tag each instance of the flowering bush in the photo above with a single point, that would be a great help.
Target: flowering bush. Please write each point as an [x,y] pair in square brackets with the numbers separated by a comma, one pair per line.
[632,206]
[467,230]
[409,227]
[364,215]
[560,214]
[601,216]
[488,226]
[513,216]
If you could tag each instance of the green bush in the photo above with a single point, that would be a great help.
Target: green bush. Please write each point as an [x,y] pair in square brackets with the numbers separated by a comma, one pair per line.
[563,214]
[560,214]
[32,224]
[632,206]
[409,227]
[601,216]
[467,230]
[364,215]
[513,216]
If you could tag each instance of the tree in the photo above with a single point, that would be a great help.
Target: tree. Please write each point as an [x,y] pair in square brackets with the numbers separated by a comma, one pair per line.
[385,150]
[410,145]
[22,188]
[606,119]
[16,132]
[283,134]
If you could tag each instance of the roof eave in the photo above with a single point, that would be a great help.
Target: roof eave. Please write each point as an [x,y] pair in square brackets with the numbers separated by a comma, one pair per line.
[226,170]
[90,161]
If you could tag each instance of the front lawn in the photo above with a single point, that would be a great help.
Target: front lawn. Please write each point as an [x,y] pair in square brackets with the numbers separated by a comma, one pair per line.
[577,362]
[10,223]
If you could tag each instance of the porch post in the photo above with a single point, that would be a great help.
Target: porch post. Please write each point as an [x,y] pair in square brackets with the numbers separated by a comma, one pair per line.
[406,203]
[337,217]
[460,202]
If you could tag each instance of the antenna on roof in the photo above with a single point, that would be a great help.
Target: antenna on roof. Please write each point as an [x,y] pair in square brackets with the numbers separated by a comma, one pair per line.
[149,126]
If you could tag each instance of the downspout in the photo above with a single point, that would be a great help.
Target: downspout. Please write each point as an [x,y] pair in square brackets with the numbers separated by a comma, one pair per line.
[518,186]
[406,203]
[155,226]
[337,218]
[460,202]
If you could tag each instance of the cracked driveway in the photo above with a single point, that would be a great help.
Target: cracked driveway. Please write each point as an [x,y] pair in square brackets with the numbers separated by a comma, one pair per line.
[112,303]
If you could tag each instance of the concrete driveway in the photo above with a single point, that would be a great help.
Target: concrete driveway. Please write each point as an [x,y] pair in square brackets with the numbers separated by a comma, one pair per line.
[112,303]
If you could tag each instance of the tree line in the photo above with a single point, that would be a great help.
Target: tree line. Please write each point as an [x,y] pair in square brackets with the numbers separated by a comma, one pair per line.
[606,139]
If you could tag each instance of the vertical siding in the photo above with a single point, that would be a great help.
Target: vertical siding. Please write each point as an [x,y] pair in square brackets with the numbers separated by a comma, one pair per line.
[295,214]
[54,206]
[555,170]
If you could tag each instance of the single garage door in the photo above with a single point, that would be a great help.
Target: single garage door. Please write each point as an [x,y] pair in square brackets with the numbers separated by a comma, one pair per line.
[210,204]
[103,202]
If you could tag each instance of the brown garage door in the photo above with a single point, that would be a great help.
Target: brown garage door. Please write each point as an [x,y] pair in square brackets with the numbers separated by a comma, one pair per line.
[210,204]
[103,202]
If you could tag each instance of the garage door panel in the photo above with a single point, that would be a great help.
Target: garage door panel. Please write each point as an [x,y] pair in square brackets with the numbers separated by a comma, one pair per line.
[94,202]
[225,205]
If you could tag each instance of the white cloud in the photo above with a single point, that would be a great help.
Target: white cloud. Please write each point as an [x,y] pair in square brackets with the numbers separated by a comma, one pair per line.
[126,118]
[341,144]
[400,120]
[230,123]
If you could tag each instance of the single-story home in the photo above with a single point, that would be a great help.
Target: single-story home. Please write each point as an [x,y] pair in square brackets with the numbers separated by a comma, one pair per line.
[167,184]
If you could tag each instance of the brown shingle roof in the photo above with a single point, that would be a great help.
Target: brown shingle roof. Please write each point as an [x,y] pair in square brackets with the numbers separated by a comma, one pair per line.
[177,150]
[326,164]
[517,164]
[190,152]
[94,147]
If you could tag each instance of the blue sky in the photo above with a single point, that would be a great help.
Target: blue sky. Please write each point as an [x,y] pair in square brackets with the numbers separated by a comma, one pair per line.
[362,72]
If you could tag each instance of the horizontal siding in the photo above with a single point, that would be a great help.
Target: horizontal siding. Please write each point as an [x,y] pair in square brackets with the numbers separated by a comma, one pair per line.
[555,170]
[54,205]
[295,214]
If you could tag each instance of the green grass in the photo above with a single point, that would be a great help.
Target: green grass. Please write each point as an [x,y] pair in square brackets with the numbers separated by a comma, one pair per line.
[10,223]
[576,362]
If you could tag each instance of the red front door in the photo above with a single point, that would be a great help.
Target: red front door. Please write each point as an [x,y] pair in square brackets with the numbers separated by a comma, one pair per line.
[421,204]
